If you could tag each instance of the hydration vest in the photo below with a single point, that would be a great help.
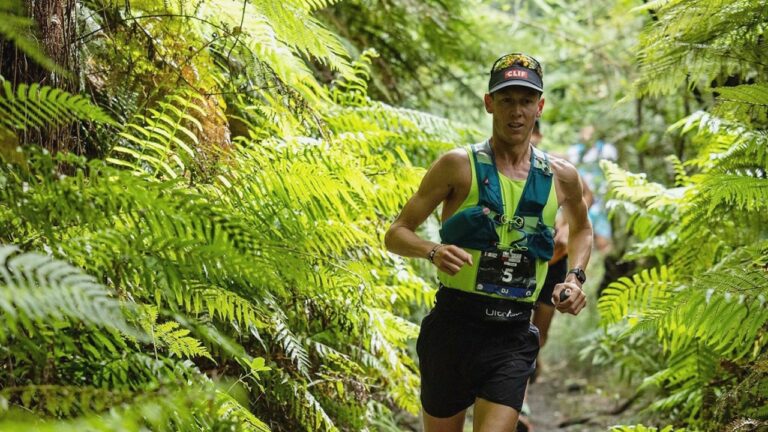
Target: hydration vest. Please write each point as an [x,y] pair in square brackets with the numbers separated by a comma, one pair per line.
[498,269]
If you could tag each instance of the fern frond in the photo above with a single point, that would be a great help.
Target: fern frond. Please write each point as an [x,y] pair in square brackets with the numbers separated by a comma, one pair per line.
[737,298]
[37,289]
[352,89]
[187,409]
[681,177]
[225,305]
[307,410]
[137,371]
[164,141]
[642,221]
[724,193]
[293,347]
[306,34]
[637,189]
[397,368]
[700,35]
[230,409]
[65,400]
[630,298]
[36,106]
[748,102]
[724,144]
[169,336]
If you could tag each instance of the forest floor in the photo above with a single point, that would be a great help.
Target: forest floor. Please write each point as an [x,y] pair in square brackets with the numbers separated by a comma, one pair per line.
[566,399]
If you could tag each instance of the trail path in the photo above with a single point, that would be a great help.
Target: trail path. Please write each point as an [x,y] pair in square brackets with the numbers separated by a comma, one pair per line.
[563,399]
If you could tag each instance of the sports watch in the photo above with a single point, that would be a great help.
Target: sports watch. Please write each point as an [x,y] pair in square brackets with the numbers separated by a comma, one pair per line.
[580,275]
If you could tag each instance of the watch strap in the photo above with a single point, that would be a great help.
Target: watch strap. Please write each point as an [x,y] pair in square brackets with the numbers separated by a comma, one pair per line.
[579,273]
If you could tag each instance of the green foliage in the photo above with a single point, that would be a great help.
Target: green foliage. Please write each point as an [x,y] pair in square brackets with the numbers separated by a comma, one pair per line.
[36,289]
[430,51]
[703,305]
[226,254]
[714,39]
[38,106]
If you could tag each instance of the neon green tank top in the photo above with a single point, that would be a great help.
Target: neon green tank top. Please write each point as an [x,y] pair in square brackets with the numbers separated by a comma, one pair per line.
[511,190]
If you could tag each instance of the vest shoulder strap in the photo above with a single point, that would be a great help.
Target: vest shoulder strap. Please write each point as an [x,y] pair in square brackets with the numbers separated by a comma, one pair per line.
[488,186]
[537,186]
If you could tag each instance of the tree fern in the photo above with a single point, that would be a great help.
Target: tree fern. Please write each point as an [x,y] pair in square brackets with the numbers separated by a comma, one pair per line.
[262,252]
[709,230]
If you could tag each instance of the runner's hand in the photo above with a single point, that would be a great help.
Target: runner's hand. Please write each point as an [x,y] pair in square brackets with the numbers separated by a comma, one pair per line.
[450,259]
[575,302]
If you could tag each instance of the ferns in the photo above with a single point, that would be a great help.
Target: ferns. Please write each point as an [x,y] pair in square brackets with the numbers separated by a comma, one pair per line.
[168,335]
[35,106]
[712,38]
[165,131]
[37,289]
[233,235]
[704,306]
[628,298]
[171,409]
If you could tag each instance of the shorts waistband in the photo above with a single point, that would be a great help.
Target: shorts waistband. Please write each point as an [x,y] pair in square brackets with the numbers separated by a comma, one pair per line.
[474,307]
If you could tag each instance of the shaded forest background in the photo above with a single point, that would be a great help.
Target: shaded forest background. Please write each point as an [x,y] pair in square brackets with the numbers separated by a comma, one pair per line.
[193,197]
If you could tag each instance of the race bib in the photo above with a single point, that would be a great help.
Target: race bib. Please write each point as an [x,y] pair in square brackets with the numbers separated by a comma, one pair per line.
[507,273]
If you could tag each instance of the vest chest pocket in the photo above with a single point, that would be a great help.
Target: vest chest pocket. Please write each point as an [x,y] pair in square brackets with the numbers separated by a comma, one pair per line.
[470,228]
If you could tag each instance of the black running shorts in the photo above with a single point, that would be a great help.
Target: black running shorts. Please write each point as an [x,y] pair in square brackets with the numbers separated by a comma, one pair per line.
[462,359]
[555,274]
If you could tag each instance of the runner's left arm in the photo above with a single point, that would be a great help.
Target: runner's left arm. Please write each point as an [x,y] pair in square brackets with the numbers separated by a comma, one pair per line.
[572,201]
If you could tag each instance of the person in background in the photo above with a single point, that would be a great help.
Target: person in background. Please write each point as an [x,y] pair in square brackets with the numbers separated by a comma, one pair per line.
[586,155]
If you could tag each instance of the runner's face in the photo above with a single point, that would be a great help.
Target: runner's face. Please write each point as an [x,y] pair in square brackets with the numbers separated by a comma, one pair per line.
[515,110]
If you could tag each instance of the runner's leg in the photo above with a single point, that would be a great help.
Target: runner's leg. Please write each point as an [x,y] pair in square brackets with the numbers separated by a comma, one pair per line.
[493,417]
[454,423]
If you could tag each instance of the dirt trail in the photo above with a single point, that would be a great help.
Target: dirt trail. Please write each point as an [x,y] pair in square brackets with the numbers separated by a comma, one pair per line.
[563,399]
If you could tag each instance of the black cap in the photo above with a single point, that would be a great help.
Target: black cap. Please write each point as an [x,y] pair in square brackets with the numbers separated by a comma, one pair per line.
[516,69]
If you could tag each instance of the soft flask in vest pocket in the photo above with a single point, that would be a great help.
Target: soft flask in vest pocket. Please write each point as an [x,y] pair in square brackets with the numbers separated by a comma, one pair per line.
[541,243]
[470,228]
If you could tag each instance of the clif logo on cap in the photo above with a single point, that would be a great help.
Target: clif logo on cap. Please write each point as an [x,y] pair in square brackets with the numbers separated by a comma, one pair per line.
[516,73]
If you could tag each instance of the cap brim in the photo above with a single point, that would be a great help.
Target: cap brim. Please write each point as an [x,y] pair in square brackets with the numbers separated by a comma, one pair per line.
[519,83]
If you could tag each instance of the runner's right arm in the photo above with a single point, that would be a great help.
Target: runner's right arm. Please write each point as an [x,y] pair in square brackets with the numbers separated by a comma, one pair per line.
[437,186]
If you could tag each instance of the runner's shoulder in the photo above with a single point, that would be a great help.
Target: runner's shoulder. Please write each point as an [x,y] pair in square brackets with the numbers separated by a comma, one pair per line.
[453,162]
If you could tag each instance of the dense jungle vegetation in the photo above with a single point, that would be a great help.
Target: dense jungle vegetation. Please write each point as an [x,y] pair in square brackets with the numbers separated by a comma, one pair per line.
[193,196]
